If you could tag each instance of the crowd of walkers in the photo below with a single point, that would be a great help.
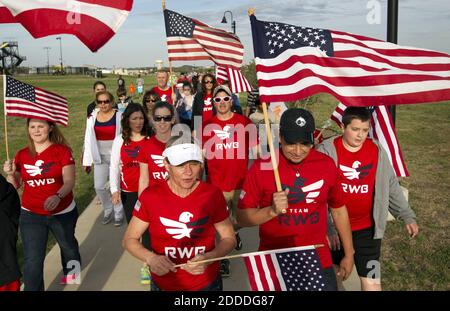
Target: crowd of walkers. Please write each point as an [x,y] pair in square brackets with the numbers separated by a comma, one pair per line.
[185,171]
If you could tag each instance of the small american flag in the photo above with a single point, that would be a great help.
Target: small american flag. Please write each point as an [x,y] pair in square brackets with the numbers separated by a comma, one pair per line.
[26,101]
[382,129]
[294,62]
[288,269]
[189,39]
[237,81]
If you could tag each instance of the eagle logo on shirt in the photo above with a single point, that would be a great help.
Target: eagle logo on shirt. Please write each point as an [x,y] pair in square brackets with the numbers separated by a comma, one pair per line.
[207,102]
[356,171]
[225,133]
[39,168]
[158,160]
[132,152]
[184,227]
[299,192]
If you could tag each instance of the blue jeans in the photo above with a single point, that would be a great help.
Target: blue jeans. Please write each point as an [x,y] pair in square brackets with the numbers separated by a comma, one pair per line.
[34,231]
[215,286]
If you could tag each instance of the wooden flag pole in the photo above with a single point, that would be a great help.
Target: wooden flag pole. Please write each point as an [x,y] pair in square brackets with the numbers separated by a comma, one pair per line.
[6,123]
[239,255]
[271,148]
[163,2]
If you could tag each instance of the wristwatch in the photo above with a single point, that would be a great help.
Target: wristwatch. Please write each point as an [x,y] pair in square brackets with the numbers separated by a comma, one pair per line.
[60,196]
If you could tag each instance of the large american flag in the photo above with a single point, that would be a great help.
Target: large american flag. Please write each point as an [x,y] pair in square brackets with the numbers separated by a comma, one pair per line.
[236,79]
[94,22]
[294,62]
[382,129]
[26,101]
[189,39]
[288,269]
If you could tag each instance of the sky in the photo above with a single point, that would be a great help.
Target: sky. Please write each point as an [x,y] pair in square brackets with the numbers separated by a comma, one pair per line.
[141,39]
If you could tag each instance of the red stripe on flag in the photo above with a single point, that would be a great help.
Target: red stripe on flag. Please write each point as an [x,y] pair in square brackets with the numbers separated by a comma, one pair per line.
[5,16]
[273,273]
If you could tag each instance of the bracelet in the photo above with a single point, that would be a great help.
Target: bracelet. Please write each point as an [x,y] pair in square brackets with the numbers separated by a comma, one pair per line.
[60,196]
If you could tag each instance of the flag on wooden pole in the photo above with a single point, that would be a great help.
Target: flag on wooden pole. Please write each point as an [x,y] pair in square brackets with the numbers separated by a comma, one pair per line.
[26,101]
[294,62]
[190,39]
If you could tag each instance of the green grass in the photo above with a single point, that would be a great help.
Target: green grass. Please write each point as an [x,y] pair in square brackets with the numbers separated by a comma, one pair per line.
[423,131]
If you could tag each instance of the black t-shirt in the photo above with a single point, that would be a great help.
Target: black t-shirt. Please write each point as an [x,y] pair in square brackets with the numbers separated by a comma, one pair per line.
[90,108]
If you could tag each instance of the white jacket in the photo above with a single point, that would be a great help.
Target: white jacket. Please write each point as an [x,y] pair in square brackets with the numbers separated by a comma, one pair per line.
[115,167]
[91,153]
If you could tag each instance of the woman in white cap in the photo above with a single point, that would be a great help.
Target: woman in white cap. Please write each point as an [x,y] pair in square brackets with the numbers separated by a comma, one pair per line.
[183,216]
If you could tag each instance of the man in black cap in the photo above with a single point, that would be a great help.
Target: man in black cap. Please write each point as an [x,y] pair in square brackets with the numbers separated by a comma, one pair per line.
[297,216]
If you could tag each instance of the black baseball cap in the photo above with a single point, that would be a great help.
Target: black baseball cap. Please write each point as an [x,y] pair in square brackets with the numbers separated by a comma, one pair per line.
[297,126]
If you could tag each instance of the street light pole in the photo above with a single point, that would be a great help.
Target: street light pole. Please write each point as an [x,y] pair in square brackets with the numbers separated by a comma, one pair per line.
[48,58]
[232,22]
[60,51]
[392,31]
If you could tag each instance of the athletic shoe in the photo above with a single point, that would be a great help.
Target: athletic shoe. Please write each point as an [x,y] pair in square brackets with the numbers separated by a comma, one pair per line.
[225,268]
[118,222]
[238,242]
[145,275]
[107,219]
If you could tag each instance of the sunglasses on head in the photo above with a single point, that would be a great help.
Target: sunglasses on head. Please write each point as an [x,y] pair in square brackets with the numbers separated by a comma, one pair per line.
[103,101]
[160,118]
[219,99]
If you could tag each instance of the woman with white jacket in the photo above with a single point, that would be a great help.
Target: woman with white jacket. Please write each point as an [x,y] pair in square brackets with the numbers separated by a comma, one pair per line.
[124,168]
[102,127]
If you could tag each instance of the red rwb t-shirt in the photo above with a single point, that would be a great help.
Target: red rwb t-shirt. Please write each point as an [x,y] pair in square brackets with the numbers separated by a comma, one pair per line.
[129,178]
[105,130]
[313,186]
[227,145]
[207,108]
[151,154]
[166,95]
[42,177]
[181,228]
[357,171]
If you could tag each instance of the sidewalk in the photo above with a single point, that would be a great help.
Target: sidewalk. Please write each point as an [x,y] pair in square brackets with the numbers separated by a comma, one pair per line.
[106,266]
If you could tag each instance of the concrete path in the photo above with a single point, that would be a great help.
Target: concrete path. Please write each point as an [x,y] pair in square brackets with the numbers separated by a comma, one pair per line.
[106,266]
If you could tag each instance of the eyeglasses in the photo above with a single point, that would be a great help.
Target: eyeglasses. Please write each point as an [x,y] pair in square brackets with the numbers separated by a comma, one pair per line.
[103,101]
[160,118]
[209,81]
[219,99]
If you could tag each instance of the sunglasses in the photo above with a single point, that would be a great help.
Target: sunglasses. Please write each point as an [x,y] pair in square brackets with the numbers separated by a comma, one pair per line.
[209,81]
[219,99]
[103,101]
[149,100]
[160,118]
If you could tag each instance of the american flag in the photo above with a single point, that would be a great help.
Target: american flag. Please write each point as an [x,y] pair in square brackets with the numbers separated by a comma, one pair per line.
[94,22]
[382,129]
[288,269]
[189,39]
[27,101]
[295,62]
[237,81]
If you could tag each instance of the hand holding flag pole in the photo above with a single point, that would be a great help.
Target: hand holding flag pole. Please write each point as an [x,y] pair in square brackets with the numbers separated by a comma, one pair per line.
[243,255]
[326,125]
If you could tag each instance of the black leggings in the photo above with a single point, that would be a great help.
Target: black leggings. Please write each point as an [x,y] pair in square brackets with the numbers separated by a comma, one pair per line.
[128,201]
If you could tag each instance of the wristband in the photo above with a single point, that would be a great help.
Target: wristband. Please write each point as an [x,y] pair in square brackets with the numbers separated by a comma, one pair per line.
[60,196]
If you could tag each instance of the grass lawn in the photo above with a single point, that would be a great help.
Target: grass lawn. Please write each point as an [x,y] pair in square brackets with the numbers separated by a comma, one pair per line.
[424,135]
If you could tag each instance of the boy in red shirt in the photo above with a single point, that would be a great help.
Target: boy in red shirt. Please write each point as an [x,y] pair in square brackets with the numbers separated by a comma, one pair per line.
[310,185]
[370,188]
